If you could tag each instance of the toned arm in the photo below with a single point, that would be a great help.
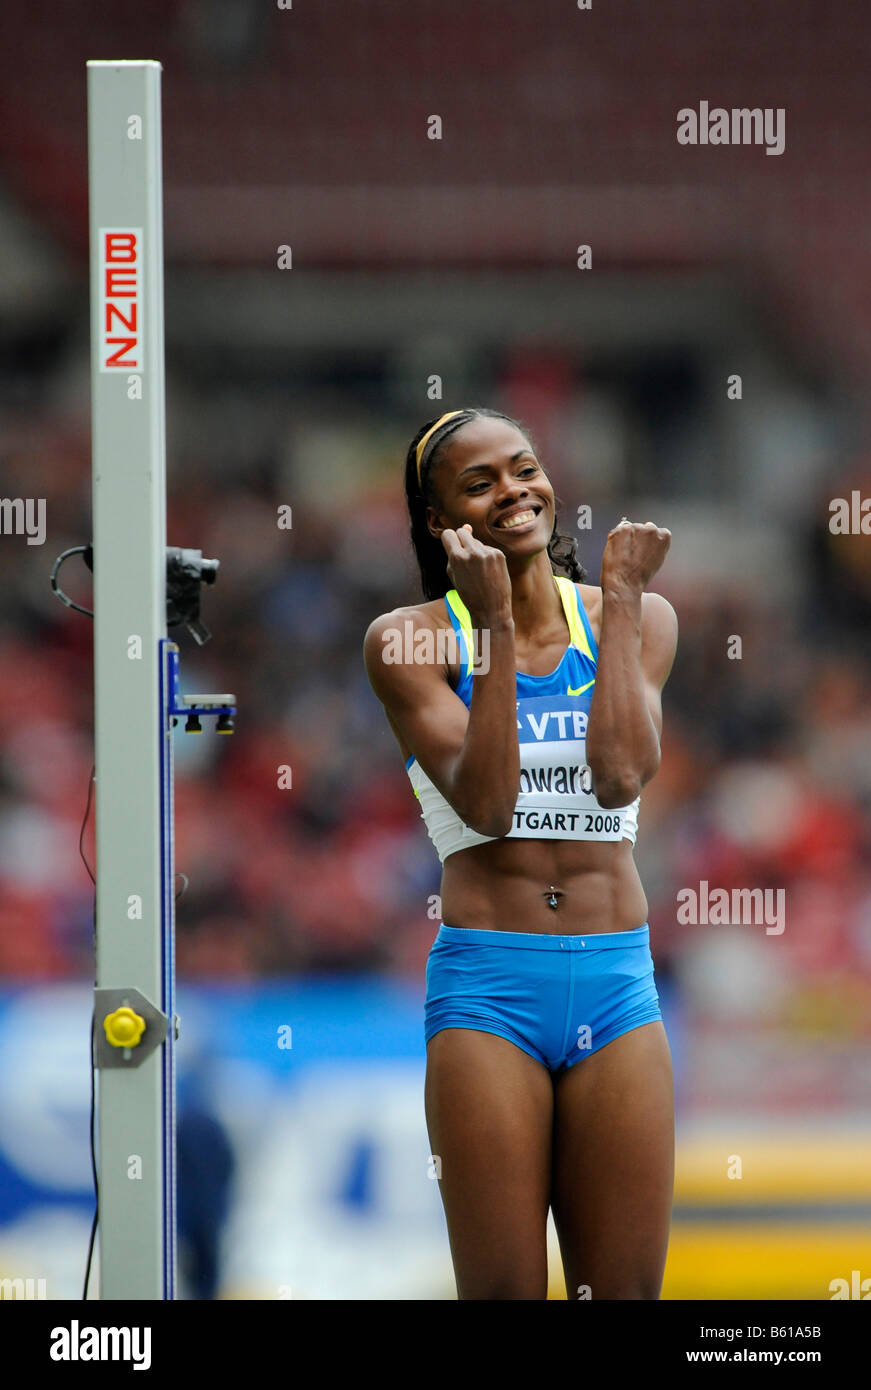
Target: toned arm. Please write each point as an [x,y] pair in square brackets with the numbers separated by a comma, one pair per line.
[636,652]
[471,755]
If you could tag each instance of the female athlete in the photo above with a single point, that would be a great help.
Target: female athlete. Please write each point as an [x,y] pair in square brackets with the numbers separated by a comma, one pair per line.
[527,707]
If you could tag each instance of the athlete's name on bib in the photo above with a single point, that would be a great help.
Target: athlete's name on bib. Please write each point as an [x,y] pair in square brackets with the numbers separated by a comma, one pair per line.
[562,780]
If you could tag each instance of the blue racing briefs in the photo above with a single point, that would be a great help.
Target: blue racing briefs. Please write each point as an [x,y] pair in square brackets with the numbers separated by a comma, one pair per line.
[558,997]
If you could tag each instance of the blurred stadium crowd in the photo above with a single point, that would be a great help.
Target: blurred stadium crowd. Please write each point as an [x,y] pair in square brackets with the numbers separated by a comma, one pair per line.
[766,771]
[765,778]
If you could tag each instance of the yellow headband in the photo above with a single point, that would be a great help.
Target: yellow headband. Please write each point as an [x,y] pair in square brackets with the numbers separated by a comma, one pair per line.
[432,429]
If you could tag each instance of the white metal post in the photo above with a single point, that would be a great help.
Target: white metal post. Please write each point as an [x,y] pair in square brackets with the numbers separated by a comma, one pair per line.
[135,903]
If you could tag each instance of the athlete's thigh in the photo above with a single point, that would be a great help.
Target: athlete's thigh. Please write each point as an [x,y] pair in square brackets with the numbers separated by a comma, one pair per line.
[489,1112]
[613,1166]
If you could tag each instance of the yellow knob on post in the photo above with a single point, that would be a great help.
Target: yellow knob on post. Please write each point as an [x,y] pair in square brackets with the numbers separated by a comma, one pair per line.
[124,1028]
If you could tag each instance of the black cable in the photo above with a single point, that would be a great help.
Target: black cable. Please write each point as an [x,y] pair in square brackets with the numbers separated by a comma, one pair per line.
[93,1068]
[87,551]
[93,1165]
[65,598]
[93,1109]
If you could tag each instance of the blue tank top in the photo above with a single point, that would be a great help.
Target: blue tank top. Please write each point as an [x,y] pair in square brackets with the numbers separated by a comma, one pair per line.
[555,799]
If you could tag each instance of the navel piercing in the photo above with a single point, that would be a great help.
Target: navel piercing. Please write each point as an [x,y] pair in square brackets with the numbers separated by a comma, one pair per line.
[552,894]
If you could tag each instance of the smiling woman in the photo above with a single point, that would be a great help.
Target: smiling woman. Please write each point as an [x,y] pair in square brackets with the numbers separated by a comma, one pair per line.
[529,774]
[423,457]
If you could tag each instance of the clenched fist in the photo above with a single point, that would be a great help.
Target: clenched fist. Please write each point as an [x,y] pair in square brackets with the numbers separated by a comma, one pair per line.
[479,574]
[633,553]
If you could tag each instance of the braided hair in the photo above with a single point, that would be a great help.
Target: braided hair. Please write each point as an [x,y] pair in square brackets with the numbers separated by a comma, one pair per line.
[431,555]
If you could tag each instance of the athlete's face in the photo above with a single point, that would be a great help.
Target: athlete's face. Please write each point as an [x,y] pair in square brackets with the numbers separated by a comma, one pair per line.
[490,477]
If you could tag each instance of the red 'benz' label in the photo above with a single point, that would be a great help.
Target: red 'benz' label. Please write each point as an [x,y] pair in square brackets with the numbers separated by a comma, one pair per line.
[121,302]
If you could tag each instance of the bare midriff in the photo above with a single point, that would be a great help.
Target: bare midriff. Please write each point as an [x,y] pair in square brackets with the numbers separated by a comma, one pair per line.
[503,885]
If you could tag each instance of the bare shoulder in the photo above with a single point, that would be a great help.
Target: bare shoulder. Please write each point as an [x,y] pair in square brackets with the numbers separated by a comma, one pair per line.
[591,597]
[658,614]
[429,613]
[656,610]
[392,626]
[658,637]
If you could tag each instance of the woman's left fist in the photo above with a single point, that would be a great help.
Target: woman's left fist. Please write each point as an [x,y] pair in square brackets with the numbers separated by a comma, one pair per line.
[633,553]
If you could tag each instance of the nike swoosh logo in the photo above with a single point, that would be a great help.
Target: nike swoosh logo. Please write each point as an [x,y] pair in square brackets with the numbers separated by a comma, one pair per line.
[581,688]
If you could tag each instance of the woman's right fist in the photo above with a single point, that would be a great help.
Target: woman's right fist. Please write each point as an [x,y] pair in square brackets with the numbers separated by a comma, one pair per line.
[479,574]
